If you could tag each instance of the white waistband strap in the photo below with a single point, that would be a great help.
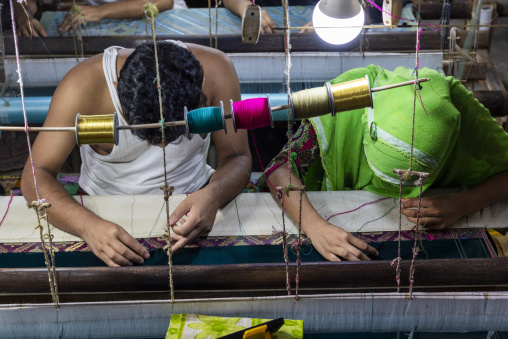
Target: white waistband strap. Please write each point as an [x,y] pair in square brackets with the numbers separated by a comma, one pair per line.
[109,66]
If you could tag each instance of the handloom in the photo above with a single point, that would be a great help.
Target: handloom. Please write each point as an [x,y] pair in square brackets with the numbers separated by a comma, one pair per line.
[337,304]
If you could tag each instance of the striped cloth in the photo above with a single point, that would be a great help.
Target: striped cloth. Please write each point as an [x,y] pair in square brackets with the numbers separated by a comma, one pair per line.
[194,21]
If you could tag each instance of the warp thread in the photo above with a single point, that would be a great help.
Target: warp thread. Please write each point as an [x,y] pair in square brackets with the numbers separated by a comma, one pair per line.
[356,209]
[7,210]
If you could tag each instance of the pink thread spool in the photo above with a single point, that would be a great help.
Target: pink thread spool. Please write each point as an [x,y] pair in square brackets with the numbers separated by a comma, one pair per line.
[252,113]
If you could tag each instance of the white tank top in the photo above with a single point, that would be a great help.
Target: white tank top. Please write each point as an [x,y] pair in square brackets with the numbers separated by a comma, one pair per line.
[177,4]
[136,167]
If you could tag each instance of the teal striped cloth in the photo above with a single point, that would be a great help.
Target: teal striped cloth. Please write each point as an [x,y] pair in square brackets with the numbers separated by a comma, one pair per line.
[195,21]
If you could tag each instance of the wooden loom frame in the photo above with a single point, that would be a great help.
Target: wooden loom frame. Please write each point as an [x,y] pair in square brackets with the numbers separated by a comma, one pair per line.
[149,283]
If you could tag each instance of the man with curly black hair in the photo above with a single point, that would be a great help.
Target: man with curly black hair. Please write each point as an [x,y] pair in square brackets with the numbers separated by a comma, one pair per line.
[125,81]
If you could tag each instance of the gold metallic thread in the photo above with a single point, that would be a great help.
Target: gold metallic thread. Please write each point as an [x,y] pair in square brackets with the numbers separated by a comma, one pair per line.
[96,129]
[311,102]
[351,95]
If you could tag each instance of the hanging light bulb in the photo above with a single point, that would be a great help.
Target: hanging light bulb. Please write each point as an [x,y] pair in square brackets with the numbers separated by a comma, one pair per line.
[338,21]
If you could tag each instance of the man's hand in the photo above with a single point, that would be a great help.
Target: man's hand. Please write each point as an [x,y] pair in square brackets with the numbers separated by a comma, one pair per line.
[332,241]
[113,245]
[307,30]
[200,209]
[29,27]
[80,16]
[267,24]
[435,213]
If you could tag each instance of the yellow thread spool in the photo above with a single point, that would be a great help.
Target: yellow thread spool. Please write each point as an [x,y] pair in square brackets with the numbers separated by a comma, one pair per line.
[96,129]
[311,103]
[351,95]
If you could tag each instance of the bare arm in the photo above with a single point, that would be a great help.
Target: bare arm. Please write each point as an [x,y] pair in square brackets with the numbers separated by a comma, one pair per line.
[238,8]
[442,211]
[330,240]
[107,240]
[127,9]
[233,172]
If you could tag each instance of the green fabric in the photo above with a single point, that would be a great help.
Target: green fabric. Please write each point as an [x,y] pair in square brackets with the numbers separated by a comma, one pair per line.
[186,326]
[463,142]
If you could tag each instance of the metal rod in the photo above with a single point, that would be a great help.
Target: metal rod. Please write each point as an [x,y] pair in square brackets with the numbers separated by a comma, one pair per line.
[155,125]
[37,129]
[377,89]
[278,108]
[410,82]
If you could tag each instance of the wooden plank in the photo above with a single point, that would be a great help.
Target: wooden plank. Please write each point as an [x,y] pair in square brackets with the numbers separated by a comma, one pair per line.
[475,72]
[437,275]
[377,41]
[495,101]
[458,10]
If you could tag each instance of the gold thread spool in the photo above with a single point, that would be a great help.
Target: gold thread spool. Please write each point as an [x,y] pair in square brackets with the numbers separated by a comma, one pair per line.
[311,103]
[352,95]
[96,129]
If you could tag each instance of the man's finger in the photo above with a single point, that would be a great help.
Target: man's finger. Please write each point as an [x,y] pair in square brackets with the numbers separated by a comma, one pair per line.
[133,245]
[180,211]
[182,242]
[127,254]
[23,31]
[175,236]
[186,228]
[41,30]
[118,259]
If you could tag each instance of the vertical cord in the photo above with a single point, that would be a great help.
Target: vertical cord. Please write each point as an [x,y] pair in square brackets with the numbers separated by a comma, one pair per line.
[285,245]
[290,131]
[298,248]
[415,247]
[38,205]
[210,21]
[397,260]
[217,23]
[166,188]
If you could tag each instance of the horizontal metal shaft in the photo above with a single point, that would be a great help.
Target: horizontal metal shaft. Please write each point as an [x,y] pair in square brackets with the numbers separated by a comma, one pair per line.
[377,89]
[154,125]
[37,129]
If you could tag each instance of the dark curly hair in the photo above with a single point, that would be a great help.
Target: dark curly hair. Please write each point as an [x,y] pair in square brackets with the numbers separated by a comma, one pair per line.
[181,77]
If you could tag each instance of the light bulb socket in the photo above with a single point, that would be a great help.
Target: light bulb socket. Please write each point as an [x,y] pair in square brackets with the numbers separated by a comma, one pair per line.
[340,9]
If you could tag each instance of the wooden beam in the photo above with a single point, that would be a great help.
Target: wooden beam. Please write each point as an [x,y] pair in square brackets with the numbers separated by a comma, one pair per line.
[436,275]
[371,41]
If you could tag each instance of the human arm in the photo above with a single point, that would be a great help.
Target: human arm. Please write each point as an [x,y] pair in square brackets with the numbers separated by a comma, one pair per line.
[108,241]
[238,8]
[27,25]
[443,211]
[328,239]
[234,162]
[127,9]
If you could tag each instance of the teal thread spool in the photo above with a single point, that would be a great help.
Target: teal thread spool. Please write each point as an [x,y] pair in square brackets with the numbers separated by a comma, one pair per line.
[205,120]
